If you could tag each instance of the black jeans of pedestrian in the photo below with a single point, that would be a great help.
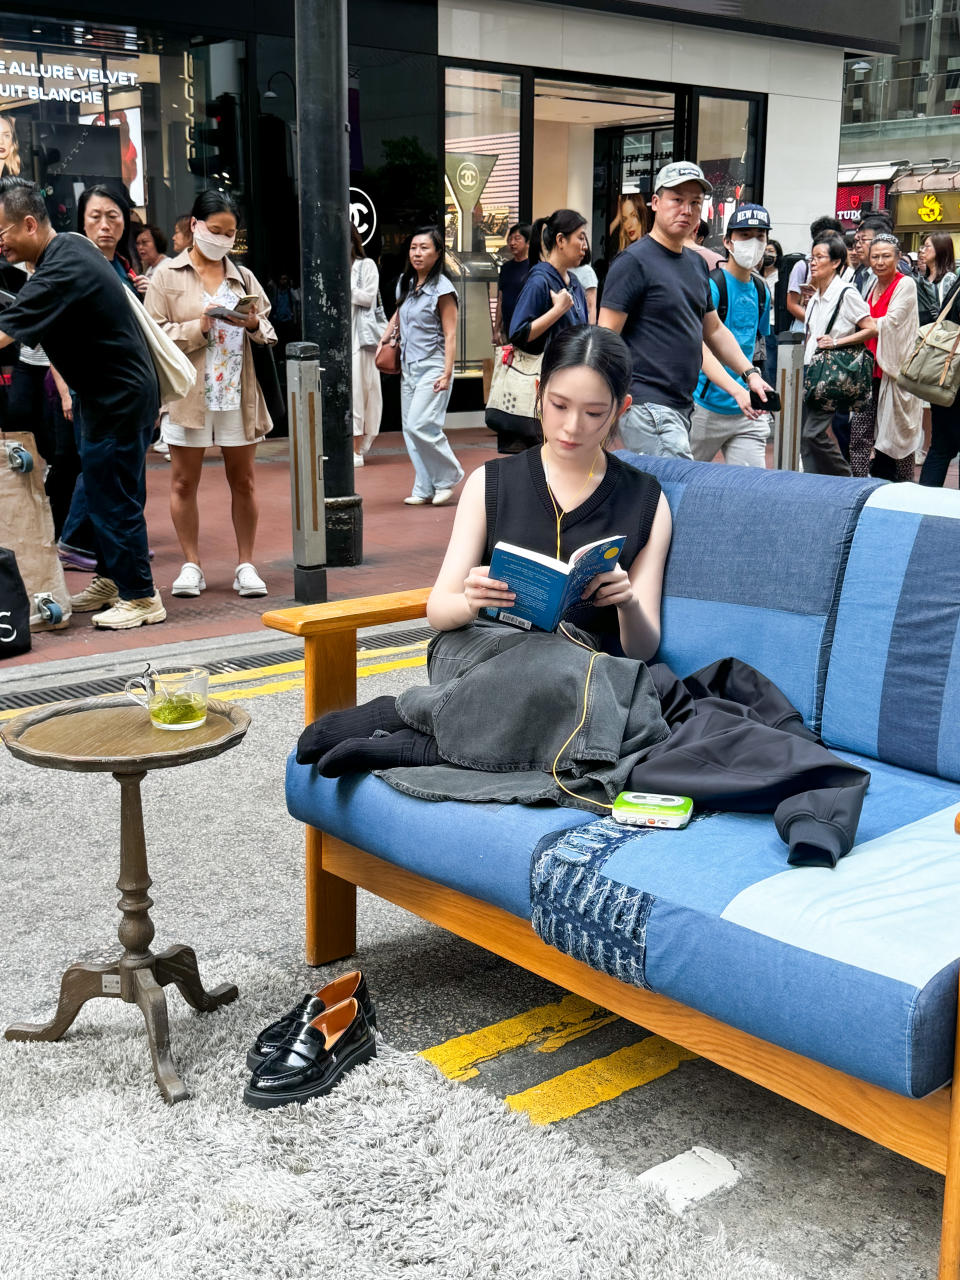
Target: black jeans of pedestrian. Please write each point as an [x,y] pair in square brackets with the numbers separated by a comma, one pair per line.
[944,444]
[114,474]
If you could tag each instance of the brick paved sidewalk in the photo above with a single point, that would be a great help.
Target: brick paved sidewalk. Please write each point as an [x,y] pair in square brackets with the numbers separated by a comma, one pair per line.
[403,547]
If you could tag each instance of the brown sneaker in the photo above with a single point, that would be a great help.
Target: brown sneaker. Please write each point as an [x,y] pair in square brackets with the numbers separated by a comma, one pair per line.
[101,593]
[127,614]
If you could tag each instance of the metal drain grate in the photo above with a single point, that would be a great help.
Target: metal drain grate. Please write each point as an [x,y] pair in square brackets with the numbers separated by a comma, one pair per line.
[114,684]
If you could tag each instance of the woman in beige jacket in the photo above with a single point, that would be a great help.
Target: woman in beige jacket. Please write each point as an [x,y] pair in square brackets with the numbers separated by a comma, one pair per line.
[225,406]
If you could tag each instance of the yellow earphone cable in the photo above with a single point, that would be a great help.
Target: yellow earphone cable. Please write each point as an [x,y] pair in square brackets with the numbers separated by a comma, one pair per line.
[586,690]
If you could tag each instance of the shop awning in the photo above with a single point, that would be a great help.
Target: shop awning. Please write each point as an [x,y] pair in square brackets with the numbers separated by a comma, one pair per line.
[848,174]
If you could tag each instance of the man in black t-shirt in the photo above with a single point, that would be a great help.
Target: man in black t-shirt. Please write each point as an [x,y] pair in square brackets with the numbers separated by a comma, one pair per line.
[657,295]
[75,306]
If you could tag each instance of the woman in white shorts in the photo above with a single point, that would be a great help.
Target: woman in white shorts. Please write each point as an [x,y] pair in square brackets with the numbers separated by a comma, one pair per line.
[225,407]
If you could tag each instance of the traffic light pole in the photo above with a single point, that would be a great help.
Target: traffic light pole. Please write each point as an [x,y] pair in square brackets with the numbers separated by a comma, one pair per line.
[324,166]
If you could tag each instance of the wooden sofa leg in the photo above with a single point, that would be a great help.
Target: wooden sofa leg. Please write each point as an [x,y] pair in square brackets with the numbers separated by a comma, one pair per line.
[331,908]
[331,903]
[949,1268]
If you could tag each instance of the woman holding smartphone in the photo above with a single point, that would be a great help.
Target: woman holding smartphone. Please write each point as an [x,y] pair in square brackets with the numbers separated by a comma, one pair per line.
[213,309]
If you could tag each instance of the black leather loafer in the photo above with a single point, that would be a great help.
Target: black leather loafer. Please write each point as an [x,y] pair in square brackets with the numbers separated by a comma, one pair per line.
[311,1006]
[310,1063]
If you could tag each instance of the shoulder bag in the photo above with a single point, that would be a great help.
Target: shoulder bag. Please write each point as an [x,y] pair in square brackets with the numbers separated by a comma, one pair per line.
[932,371]
[388,357]
[841,378]
[175,374]
[512,403]
[265,364]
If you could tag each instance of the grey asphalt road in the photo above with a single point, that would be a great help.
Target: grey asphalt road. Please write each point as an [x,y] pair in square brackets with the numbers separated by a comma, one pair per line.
[227,865]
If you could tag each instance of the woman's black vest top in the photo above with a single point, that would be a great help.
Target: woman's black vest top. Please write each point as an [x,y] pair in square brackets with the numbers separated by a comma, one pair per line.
[519,510]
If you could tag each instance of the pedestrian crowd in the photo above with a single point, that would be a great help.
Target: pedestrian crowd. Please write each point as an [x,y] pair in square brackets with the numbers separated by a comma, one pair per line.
[699,327]
[85,382]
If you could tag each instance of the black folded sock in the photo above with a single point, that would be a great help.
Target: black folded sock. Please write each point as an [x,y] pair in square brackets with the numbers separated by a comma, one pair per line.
[377,716]
[389,751]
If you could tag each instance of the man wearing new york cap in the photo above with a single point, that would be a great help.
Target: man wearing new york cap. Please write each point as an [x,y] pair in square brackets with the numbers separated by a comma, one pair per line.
[718,424]
[657,295]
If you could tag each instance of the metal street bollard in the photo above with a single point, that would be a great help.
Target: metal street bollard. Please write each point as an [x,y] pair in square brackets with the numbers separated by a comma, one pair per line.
[307,512]
[786,441]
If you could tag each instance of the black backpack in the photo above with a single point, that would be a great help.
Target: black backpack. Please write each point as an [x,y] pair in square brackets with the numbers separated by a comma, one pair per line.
[14,608]
[783,317]
[719,277]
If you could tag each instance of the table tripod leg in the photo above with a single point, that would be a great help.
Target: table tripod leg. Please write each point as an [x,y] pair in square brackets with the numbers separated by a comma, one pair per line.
[153,1005]
[80,983]
[179,964]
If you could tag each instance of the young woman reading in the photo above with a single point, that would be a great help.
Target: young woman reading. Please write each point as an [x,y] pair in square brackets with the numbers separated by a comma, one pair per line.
[553,500]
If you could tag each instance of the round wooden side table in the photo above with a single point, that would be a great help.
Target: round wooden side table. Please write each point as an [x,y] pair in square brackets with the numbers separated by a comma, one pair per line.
[112,736]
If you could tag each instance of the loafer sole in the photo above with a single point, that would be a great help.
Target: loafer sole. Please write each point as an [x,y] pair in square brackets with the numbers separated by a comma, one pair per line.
[255,1059]
[267,1101]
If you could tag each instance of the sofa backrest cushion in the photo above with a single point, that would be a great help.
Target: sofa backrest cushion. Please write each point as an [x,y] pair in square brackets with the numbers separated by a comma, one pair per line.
[893,680]
[754,569]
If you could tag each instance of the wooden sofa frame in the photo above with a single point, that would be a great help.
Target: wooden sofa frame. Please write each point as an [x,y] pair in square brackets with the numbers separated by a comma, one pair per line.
[925,1130]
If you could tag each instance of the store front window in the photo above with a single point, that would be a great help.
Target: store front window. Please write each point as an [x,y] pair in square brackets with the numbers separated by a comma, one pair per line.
[156,118]
[727,136]
[481,184]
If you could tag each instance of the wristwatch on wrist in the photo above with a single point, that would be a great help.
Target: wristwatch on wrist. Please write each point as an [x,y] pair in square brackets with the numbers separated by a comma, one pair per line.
[753,369]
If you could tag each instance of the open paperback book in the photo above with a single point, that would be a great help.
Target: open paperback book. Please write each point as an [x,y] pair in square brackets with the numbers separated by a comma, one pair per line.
[546,588]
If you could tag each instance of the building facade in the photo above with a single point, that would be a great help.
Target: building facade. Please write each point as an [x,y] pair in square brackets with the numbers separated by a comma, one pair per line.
[472,114]
[901,121]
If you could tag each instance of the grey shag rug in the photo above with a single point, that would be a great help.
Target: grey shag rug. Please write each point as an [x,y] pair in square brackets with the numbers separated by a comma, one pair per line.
[398,1172]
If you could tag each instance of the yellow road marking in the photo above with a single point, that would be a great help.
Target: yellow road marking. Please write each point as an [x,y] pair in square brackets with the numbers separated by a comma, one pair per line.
[377,667]
[599,1081]
[568,1034]
[256,673]
[460,1057]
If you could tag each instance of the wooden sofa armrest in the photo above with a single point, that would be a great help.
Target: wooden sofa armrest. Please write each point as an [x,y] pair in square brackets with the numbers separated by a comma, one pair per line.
[330,641]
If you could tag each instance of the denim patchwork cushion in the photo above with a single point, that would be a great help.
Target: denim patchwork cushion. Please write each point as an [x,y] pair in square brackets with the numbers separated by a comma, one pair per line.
[855,967]
[754,569]
[893,680]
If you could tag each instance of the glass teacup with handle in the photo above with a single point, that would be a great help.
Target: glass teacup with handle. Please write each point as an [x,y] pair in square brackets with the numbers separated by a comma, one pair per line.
[175,697]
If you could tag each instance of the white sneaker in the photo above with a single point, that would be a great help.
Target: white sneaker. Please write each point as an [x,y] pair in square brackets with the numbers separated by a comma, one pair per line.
[358,460]
[162,448]
[442,497]
[101,593]
[414,501]
[248,582]
[190,582]
[127,614]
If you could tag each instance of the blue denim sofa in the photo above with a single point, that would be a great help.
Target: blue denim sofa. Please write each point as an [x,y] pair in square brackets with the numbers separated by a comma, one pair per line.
[837,988]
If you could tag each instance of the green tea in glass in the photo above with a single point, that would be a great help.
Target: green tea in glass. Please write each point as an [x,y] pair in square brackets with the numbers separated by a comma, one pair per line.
[175,697]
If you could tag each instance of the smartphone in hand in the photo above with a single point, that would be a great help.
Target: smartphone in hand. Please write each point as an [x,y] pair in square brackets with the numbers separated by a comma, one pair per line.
[770,405]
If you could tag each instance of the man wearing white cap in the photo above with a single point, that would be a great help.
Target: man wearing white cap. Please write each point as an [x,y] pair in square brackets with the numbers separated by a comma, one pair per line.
[657,295]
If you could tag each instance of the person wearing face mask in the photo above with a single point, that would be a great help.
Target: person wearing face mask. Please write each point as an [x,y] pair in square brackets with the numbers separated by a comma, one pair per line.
[718,423]
[191,297]
[657,294]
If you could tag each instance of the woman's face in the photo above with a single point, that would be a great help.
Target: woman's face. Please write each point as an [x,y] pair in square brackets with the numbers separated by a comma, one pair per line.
[926,256]
[220,223]
[103,224]
[147,249]
[630,221]
[423,254]
[822,267]
[6,140]
[883,260]
[578,413]
[570,249]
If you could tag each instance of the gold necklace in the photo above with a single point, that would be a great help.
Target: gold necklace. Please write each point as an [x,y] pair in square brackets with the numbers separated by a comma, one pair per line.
[559,511]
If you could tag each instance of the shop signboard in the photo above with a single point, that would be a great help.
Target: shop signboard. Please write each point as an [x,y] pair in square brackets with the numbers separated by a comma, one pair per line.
[932,210]
[856,200]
